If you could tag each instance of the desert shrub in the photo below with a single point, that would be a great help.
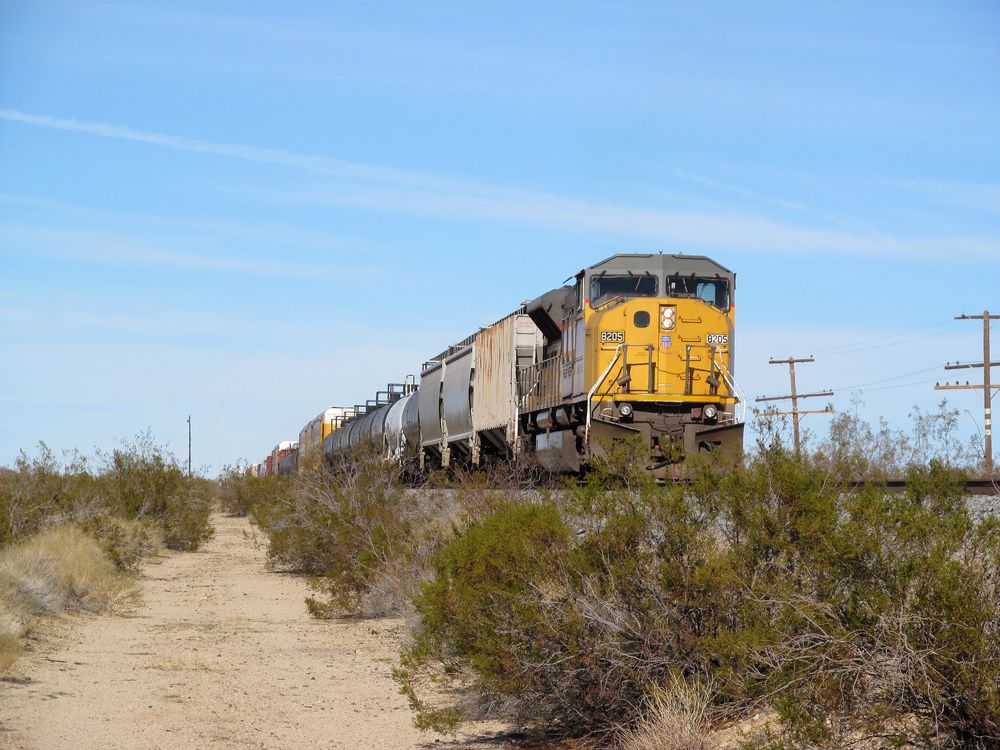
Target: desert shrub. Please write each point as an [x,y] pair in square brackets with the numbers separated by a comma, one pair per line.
[40,491]
[139,481]
[238,491]
[355,530]
[143,480]
[852,614]
[126,542]
[61,569]
[858,450]
[185,516]
[674,717]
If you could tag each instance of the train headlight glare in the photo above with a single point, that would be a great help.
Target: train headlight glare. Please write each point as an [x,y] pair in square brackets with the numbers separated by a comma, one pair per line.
[668,317]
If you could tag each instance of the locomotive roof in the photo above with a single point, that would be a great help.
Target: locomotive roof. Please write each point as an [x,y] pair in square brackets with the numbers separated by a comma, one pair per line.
[664,263]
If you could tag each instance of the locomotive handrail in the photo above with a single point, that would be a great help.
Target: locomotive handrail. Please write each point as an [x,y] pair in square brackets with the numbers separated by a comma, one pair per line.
[590,393]
[734,389]
[531,381]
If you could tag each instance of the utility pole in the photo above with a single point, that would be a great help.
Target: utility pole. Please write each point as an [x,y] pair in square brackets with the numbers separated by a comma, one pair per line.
[189,445]
[795,396]
[987,387]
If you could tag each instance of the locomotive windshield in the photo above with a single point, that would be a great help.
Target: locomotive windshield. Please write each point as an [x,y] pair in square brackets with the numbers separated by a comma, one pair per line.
[632,285]
[713,290]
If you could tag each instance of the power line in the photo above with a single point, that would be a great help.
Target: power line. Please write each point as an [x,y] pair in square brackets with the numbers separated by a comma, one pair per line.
[860,345]
[852,349]
[897,334]
[886,380]
[901,385]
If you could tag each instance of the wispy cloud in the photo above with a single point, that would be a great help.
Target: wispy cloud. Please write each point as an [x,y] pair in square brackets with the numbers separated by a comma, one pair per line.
[679,229]
[260,231]
[310,162]
[100,247]
[979,196]
[404,191]
[756,196]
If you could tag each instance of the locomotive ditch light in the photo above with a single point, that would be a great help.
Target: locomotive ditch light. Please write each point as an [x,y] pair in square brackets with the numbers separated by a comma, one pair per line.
[710,413]
[668,317]
[625,410]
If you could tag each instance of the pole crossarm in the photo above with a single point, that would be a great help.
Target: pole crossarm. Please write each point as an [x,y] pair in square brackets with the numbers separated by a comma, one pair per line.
[966,387]
[797,395]
[791,360]
[827,410]
[970,365]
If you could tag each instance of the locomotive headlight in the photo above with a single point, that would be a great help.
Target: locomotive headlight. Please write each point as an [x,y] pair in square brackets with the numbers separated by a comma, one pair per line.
[668,317]
[625,410]
[710,412]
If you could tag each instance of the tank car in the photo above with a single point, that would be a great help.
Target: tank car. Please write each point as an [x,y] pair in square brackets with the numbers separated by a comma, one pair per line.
[377,424]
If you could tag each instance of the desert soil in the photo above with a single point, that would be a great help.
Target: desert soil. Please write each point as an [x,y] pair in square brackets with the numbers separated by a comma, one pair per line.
[221,653]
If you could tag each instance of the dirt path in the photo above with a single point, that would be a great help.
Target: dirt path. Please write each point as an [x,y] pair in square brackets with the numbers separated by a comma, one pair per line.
[220,654]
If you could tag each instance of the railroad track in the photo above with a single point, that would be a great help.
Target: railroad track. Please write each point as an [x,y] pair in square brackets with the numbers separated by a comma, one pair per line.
[972,486]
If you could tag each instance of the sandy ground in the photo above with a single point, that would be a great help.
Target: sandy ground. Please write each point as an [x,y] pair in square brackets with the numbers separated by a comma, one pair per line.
[220,654]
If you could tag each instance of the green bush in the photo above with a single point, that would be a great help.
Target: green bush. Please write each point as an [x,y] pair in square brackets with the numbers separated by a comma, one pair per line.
[40,492]
[139,481]
[126,542]
[351,530]
[239,491]
[143,480]
[861,614]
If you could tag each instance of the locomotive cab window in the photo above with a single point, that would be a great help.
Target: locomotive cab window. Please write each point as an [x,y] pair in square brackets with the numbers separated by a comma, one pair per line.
[604,287]
[713,290]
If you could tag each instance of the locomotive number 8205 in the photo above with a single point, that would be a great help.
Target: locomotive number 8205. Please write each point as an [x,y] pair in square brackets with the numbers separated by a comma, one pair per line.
[612,337]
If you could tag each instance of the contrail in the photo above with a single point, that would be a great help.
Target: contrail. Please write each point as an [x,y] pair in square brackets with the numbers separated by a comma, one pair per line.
[403,191]
[311,162]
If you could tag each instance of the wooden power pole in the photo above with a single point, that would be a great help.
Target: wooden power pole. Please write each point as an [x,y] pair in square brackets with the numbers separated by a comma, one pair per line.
[794,396]
[987,387]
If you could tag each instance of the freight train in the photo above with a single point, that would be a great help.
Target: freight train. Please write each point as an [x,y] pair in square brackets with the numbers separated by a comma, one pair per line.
[638,345]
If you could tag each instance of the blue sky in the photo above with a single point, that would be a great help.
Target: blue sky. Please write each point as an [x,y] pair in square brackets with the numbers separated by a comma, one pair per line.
[251,211]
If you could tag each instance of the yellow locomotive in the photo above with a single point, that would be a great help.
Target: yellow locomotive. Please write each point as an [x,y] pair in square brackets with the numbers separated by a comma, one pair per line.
[640,344]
